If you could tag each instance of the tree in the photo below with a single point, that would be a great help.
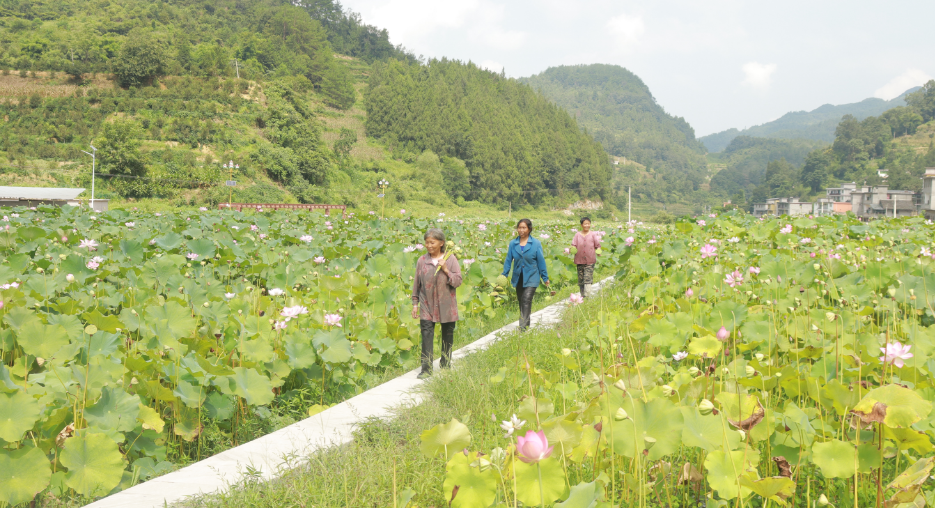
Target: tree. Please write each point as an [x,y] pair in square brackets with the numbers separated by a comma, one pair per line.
[119,149]
[923,101]
[815,170]
[141,59]
[344,144]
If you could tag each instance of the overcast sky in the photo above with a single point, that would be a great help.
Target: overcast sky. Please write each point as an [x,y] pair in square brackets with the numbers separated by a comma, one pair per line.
[719,64]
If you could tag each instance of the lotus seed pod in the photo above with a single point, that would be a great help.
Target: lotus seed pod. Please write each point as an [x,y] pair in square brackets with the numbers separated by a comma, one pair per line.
[829,316]
[816,266]
[667,390]
[759,357]
[750,371]
[693,371]
[705,407]
[823,500]
[620,415]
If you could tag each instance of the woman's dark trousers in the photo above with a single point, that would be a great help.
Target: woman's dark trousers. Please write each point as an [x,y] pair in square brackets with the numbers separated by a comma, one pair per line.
[524,295]
[428,344]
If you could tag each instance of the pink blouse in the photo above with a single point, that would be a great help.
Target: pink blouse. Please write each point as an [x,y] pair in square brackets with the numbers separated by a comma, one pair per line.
[586,245]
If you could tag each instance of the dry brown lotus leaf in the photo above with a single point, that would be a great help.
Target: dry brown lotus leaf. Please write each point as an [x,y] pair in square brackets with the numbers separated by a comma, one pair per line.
[690,475]
[876,415]
[66,433]
[785,469]
[751,421]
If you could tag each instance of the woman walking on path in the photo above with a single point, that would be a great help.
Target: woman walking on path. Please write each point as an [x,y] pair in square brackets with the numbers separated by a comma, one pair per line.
[528,262]
[587,243]
[434,299]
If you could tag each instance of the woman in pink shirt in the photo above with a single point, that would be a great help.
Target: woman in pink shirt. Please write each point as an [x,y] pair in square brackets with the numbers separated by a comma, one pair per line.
[586,242]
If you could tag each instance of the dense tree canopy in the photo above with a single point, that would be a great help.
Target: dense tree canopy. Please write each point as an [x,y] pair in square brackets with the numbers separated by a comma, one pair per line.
[515,144]
[617,108]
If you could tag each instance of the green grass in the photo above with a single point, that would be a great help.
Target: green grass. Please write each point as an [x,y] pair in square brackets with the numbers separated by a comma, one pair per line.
[385,455]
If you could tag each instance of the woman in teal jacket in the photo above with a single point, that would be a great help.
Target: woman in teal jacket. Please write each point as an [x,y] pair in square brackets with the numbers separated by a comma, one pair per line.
[528,263]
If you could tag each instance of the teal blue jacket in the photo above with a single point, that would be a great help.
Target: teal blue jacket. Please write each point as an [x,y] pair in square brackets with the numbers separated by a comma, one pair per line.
[529,261]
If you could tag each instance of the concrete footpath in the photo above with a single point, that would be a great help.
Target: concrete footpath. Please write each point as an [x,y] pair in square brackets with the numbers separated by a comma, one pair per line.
[271,455]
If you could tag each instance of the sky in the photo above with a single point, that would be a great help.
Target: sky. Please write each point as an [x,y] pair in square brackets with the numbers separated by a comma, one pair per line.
[718,63]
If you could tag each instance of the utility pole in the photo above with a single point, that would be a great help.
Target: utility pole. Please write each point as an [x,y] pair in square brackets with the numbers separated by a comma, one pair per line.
[93,155]
[237,66]
[629,203]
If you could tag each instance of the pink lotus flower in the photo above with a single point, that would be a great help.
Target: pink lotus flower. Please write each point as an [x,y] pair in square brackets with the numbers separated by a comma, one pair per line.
[567,250]
[734,279]
[291,312]
[723,334]
[93,264]
[702,223]
[895,353]
[319,260]
[708,251]
[628,242]
[482,227]
[192,256]
[575,299]
[753,270]
[87,244]
[280,325]
[306,238]
[469,262]
[689,293]
[254,227]
[786,229]
[333,320]
[681,355]
[533,447]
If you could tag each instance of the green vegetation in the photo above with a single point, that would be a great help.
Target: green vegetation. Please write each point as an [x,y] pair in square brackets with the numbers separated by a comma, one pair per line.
[617,108]
[818,124]
[746,159]
[693,380]
[163,338]
[514,144]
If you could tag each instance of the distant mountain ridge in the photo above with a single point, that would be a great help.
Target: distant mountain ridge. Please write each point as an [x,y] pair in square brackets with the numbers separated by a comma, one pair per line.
[818,124]
[616,107]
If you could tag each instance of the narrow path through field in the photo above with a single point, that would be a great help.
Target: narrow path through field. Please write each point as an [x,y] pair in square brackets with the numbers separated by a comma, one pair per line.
[267,457]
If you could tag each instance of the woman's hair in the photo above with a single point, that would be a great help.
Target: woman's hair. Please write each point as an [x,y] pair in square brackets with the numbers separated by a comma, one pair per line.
[528,224]
[585,219]
[436,234]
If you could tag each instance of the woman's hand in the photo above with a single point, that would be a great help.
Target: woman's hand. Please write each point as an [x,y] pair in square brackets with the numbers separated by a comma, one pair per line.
[546,283]
[443,266]
[415,312]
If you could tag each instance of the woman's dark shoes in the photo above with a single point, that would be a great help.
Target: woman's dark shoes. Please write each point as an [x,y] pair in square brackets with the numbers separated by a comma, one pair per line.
[424,374]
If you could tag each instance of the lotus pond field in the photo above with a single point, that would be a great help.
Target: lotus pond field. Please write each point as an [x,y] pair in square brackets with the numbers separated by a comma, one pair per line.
[125,337]
[736,362]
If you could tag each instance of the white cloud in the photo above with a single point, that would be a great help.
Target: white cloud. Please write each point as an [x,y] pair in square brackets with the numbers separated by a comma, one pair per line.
[412,19]
[627,29]
[901,83]
[758,75]
[505,39]
[490,65]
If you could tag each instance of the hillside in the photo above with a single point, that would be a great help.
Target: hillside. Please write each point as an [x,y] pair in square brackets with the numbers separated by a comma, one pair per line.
[746,159]
[165,109]
[618,109]
[818,124]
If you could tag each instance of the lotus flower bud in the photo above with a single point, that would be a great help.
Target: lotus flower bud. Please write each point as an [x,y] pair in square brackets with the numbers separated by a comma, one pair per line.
[70,278]
[566,351]
[890,291]
[743,435]
[705,407]
[620,386]
[620,415]
[823,500]
[816,266]
[723,334]
[750,371]
[759,357]
[667,390]
[205,305]
[829,316]
[40,270]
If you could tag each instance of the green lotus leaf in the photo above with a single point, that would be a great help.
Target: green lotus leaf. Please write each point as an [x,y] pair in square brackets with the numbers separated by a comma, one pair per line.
[892,405]
[251,386]
[915,474]
[563,434]
[95,465]
[219,406]
[836,459]
[445,438]
[18,413]
[664,334]
[150,419]
[532,406]
[708,432]
[776,488]
[909,439]
[705,347]
[583,495]
[301,355]
[659,420]
[203,247]
[169,241]
[528,486]
[476,486]
[41,340]
[724,469]
[23,474]
[116,410]
[190,395]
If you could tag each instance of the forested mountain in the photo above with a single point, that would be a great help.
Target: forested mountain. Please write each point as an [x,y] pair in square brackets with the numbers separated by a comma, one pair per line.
[516,145]
[818,124]
[746,159]
[900,144]
[169,89]
[617,108]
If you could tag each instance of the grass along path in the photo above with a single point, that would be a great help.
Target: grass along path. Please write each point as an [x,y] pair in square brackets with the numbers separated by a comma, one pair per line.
[385,456]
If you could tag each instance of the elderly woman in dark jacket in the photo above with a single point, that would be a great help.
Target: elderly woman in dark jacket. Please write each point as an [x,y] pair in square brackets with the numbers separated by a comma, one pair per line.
[434,299]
